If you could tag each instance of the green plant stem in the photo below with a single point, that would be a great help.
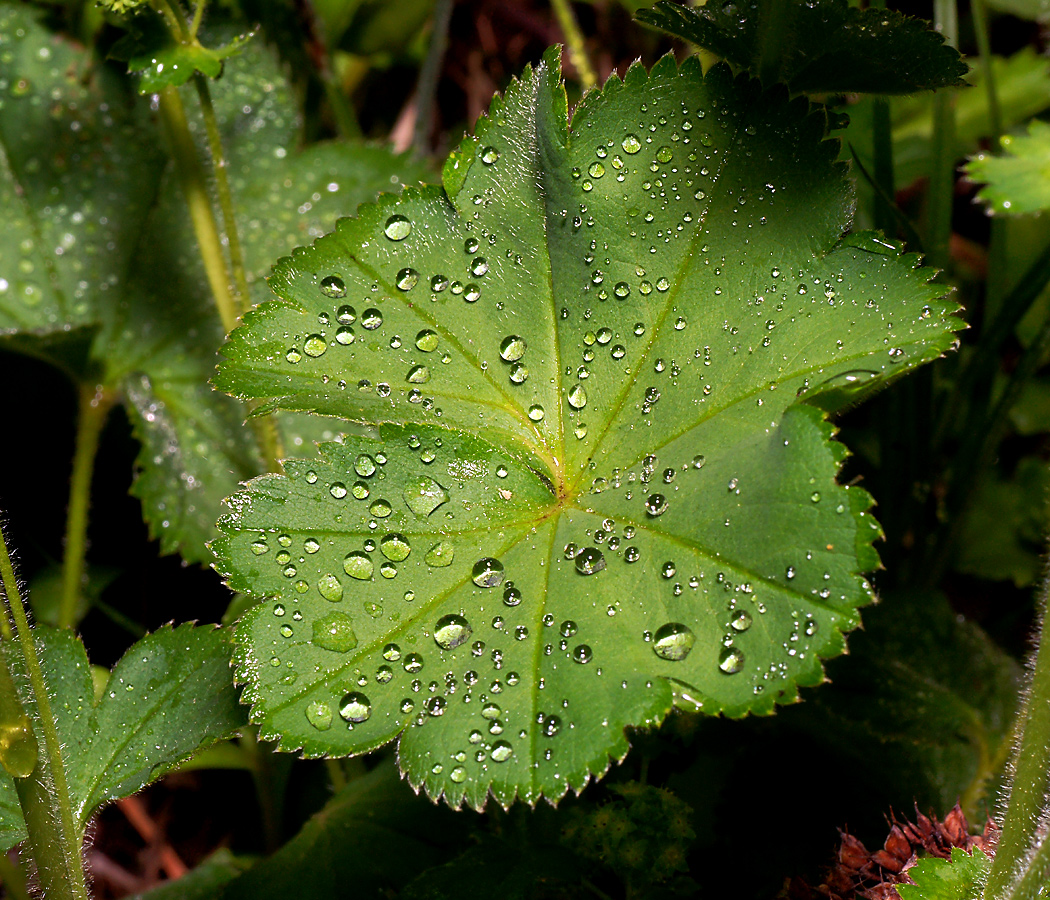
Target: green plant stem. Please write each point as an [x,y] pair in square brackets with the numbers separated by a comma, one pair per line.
[174,20]
[882,168]
[426,87]
[1028,787]
[942,176]
[774,23]
[574,41]
[222,188]
[195,190]
[93,406]
[198,16]
[13,879]
[54,837]
[984,49]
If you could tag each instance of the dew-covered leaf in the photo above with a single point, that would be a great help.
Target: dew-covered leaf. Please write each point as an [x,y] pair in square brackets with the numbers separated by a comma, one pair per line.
[1019,180]
[590,494]
[959,878]
[175,64]
[100,243]
[168,696]
[825,46]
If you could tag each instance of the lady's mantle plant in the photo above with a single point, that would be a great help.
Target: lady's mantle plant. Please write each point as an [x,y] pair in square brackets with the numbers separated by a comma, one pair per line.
[595,480]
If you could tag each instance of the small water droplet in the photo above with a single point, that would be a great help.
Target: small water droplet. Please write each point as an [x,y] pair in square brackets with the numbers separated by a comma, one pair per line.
[319,715]
[407,279]
[741,621]
[440,555]
[501,751]
[489,155]
[427,341]
[656,505]
[329,587]
[487,572]
[418,375]
[512,348]
[337,490]
[577,397]
[423,495]
[536,413]
[589,561]
[451,631]
[355,707]
[395,547]
[631,144]
[397,228]
[673,641]
[730,660]
[333,286]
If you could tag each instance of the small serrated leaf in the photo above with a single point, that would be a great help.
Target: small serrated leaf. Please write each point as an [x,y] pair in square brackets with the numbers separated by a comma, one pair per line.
[175,64]
[821,46]
[601,498]
[1019,180]
[958,878]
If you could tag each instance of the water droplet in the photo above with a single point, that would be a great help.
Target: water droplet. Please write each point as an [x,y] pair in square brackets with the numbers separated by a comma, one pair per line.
[440,555]
[371,319]
[380,509]
[501,751]
[451,631]
[673,641]
[435,706]
[631,144]
[741,621]
[487,573]
[656,505]
[577,397]
[664,154]
[259,547]
[413,663]
[333,286]
[479,266]
[355,707]
[337,490]
[589,561]
[519,373]
[427,341]
[489,155]
[458,775]
[358,565]
[473,293]
[632,554]
[407,279]
[329,587]
[418,375]
[512,348]
[582,654]
[596,170]
[730,660]
[397,228]
[395,547]
[536,413]
[335,631]
[790,572]
[423,495]
[364,465]
[319,715]
[293,355]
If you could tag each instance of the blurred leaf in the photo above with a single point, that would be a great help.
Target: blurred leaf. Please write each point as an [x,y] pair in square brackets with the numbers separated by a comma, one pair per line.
[204,882]
[958,878]
[168,696]
[1003,533]
[45,591]
[382,27]
[819,46]
[1019,180]
[175,64]
[1036,10]
[924,702]
[374,836]
[1031,413]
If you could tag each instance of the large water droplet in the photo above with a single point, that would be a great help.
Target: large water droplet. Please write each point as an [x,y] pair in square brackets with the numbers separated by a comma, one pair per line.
[487,573]
[319,715]
[673,641]
[333,286]
[418,375]
[315,345]
[501,751]
[335,631]
[395,547]
[451,631]
[631,144]
[577,397]
[489,155]
[656,505]
[424,495]
[730,660]
[741,621]
[427,341]
[358,565]
[329,587]
[589,560]
[407,279]
[512,348]
[582,654]
[380,508]
[440,555]
[355,707]
[364,465]
[397,228]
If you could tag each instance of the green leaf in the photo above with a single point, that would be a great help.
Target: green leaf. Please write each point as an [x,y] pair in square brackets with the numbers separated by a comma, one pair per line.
[823,46]
[100,245]
[175,64]
[959,878]
[374,834]
[1019,180]
[1036,10]
[167,697]
[508,571]
[204,882]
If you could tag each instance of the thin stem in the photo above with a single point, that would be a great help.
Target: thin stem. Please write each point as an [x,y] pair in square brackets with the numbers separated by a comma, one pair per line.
[1028,788]
[426,87]
[44,795]
[984,49]
[222,188]
[198,15]
[774,23]
[581,62]
[882,167]
[335,774]
[195,189]
[93,406]
[942,177]
[174,20]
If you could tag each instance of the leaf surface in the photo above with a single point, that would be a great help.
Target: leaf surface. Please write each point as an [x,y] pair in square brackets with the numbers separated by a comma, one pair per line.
[100,248]
[168,696]
[958,878]
[1019,180]
[588,494]
[823,46]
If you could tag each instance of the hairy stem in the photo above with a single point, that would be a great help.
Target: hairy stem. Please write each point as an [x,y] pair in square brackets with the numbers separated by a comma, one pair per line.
[93,406]
[222,188]
[581,62]
[195,189]
[1014,857]
[54,836]
[942,177]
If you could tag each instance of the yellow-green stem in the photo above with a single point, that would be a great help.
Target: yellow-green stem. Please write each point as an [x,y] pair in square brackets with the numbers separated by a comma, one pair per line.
[222,188]
[198,15]
[93,406]
[574,41]
[195,190]
[942,177]
[54,835]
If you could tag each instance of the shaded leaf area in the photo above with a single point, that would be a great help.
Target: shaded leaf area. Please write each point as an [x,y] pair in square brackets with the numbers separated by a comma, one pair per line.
[600,498]
[374,836]
[1018,181]
[821,46]
[1037,10]
[167,697]
[959,878]
[102,255]
[924,702]
[1002,536]
[204,882]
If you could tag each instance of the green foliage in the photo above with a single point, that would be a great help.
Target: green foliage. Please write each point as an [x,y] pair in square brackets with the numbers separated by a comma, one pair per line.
[825,46]
[387,557]
[167,697]
[1019,180]
[959,878]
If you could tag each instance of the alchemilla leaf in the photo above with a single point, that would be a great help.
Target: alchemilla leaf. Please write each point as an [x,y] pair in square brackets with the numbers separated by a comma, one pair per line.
[1019,180]
[589,493]
[959,878]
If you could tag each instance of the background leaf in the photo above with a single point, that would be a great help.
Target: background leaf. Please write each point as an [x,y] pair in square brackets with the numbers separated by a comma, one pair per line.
[519,569]
[1019,180]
